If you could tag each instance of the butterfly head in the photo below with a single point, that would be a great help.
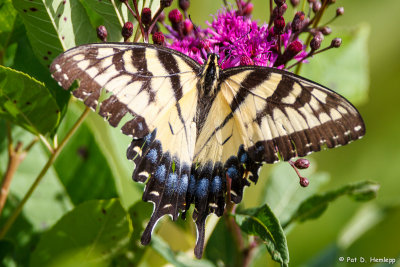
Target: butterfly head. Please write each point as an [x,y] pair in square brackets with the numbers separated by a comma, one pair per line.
[210,74]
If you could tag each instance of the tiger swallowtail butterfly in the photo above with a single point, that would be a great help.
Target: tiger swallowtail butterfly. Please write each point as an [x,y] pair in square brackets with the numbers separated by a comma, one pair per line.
[193,125]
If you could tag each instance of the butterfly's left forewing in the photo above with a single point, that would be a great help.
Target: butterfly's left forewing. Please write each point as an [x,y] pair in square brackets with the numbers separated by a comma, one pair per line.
[155,88]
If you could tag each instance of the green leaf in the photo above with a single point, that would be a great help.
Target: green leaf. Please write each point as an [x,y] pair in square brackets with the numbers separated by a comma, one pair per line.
[178,259]
[221,247]
[283,192]
[27,102]
[26,61]
[54,26]
[82,166]
[263,223]
[344,70]
[8,17]
[87,236]
[114,144]
[314,206]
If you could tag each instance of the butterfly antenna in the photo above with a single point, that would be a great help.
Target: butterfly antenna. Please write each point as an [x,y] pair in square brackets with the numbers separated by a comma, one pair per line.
[194,26]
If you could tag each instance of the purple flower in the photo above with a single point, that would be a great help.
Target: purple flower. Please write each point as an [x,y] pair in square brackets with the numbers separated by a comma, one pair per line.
[237,39]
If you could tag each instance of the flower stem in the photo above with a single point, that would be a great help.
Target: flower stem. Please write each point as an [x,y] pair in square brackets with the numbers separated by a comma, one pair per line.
[314,21]
[49,163]
[15,157]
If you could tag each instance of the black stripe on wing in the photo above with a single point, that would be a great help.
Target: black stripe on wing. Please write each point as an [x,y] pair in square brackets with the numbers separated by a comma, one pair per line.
[309,115]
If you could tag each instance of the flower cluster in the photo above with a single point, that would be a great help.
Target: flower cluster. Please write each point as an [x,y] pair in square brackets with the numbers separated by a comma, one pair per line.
[236,38]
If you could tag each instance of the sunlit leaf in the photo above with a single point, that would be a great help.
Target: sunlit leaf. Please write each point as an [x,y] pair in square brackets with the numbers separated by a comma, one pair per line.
[262,222]
[87,236]
[54,26]
[27,102]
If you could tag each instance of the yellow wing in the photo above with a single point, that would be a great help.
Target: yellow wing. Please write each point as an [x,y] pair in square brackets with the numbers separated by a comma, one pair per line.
[152,90]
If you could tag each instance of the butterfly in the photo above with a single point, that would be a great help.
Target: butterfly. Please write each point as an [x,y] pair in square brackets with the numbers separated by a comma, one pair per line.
[194,127]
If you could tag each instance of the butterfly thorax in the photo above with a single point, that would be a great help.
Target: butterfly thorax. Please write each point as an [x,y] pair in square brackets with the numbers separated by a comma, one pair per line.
[207,87]
[209,76]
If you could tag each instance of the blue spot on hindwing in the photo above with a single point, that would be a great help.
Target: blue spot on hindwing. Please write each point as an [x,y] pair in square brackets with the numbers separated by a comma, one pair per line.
[232,173]
[202,188]
[160,173]
[171,183]
[243,158]
[183,185]
[152,155]
[216,184]
[192,184]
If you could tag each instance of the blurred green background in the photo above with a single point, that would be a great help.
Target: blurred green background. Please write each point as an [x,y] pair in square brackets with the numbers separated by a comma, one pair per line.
[376,157]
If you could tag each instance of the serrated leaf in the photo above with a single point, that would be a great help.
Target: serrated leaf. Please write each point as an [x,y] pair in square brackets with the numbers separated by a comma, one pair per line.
[314,206]
[89,235]
[263,223]
[344,70]
[27,102]
[54,26]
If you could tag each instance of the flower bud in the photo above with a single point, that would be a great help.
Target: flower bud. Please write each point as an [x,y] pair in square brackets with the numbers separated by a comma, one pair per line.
[102,33]
[247,8]
[279,25]
[311,1]
[184,4]
[295,2]
[298,20]
[245,60]
[304,182]
[165,3]
[316,41]
[291,51]
[175,17]
[316,6]
[279,2]
[187,26]
[337,42]
[127,30]
[158,38]
[326,30]
[146,16]
[302,163]
[339,11]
